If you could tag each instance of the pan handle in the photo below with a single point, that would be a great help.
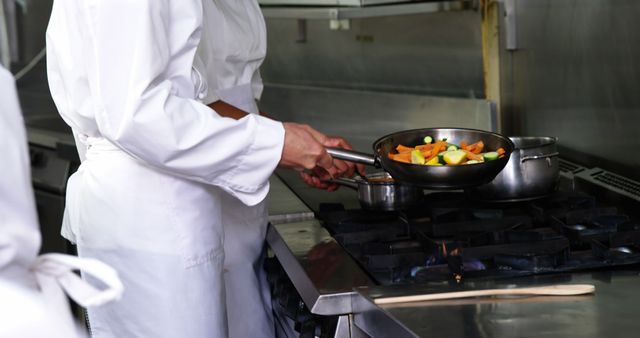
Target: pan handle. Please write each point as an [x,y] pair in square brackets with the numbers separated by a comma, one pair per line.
[347,182]
[352,156]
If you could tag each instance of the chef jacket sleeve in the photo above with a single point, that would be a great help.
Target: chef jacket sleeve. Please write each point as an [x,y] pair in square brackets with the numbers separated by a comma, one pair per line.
[140,70]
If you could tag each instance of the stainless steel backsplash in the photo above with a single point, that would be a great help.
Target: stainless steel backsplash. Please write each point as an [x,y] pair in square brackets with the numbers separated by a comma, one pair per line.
[434,54]
[576,75]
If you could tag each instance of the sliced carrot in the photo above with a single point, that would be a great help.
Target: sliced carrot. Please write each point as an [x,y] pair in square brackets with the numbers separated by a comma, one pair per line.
[424,147]
[427,154]
[437,148]
[403,149]
[475,148]
[472,156]
[479,147]
[500,151]
[402,157]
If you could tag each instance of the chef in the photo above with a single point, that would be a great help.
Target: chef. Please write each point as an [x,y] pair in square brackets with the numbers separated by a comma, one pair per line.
[170,191]
[32,289]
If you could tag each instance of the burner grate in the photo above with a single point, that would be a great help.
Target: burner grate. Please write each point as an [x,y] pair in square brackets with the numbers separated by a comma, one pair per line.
[566,231]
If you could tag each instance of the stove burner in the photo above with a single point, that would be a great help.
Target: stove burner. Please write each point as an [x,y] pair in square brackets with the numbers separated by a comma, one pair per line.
[453,238]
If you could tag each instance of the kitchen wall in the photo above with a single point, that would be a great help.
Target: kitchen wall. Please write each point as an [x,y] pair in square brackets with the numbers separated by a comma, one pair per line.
[576,75]
[433,53]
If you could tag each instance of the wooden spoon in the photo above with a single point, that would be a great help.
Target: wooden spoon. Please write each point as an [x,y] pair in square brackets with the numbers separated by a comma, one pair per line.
[550,290]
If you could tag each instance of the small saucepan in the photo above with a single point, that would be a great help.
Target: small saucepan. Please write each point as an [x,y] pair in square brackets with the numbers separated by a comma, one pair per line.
[378,191]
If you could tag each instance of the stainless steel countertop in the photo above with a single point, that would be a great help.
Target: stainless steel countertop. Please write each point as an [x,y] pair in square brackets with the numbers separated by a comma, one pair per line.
[323,273]
[611,312]
[283,205]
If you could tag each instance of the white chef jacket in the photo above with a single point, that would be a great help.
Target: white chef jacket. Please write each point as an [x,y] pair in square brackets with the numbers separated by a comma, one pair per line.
[123,71]
[32,299]
[151,197]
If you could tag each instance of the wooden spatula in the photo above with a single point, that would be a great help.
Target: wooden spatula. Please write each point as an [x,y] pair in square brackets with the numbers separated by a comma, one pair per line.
[550,290]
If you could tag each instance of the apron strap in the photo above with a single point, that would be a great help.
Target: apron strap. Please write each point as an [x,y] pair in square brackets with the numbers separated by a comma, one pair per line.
[55,276]
[59,269]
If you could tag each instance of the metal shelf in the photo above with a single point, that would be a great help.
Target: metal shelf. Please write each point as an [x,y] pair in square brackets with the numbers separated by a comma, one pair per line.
[357,3]
[346,13]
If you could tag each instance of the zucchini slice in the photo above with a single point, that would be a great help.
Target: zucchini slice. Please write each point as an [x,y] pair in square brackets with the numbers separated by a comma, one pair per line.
[490,156]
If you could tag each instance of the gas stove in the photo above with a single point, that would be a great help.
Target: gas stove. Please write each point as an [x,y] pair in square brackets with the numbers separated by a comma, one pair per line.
[451,236]
[327,272]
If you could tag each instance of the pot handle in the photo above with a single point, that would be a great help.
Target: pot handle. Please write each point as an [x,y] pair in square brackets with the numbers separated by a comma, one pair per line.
[352,156]
[539,157]
[347,182]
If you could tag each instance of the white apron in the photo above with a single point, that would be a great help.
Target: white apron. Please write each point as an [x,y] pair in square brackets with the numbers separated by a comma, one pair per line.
[249,308]
[229,72]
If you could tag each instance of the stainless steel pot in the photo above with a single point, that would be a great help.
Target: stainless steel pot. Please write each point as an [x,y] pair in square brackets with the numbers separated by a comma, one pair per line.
[532,172]
[378,191]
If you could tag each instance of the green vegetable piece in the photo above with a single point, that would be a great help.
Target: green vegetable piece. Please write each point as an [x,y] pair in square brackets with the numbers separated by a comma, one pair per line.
[490,156]
[428,139]
[452,147]
[455,157]
[417,157]
[473,162]
[441,157]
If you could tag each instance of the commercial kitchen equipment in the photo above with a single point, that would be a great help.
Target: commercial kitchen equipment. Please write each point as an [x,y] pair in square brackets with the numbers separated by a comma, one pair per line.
[532,172]
[378,191]
[327,273]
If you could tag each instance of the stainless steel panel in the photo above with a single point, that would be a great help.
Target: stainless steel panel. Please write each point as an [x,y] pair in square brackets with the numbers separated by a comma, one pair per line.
[576,75]
[609,313]
[358,3]
[344,13]
[283,205]
[322,272]
[438,54]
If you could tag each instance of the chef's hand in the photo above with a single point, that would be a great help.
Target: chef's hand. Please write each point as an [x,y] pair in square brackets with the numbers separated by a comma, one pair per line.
[304,149]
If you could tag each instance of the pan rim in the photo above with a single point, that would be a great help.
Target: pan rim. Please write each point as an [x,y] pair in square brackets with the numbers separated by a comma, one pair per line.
[447,167]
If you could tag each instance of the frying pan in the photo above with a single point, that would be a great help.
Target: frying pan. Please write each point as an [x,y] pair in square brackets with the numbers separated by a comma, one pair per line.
[433,177]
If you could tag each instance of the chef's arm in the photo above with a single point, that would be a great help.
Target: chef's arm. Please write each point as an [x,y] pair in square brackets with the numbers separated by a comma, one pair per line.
[339,168]
[227,110]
